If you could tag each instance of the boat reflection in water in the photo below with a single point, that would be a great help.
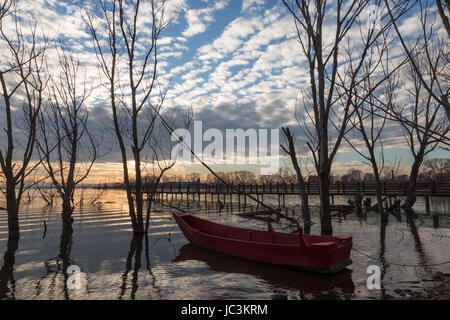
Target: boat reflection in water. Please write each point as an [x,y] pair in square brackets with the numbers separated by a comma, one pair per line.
[303,284]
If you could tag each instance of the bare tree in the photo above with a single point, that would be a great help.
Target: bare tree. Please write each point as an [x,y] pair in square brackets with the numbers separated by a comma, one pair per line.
[370,120]
[328,105]
[22,88]
[371,134]
[426,85]
[422,110]
[429,54]
[128,56]
[65,142]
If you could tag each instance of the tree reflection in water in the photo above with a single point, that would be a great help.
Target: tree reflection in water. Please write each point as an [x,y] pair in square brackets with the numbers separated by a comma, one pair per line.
[63,262]
[384,265]
[136,251]
[7,281]
[423,259]
[136,254]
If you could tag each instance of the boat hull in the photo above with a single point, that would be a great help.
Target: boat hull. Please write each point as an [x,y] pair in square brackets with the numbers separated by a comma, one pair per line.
[312,253]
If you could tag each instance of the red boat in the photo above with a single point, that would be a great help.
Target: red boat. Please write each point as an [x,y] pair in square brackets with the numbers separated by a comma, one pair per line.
[325,254]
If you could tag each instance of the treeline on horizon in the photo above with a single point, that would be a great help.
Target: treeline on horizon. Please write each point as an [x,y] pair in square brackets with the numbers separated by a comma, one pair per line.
[435,169]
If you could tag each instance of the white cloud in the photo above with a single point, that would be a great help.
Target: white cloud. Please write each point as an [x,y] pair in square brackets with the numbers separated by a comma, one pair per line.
[199,19]
[251,5]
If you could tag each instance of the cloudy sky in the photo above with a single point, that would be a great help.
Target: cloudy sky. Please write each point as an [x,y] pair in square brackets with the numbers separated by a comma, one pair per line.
[238,64]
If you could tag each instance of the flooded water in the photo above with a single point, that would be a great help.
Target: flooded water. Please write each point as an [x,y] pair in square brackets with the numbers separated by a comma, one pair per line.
[116,265]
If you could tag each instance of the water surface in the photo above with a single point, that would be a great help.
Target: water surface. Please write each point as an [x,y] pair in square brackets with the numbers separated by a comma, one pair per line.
[116,265]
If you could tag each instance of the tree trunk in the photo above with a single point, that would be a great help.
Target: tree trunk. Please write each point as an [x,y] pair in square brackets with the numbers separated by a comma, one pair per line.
[13,212]
[139,228]
[139,199]
[411,191]
[324,196]
[324,176]
[305,204]
[324,165]
[66,214]
[379,191]
[305,210]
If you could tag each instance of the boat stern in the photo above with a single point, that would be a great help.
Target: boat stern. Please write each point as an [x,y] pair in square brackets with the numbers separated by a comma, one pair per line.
[331,255]
[339,257]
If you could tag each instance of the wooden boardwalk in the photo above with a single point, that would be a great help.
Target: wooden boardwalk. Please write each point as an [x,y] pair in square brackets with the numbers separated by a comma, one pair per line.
[222,193]
[389,189]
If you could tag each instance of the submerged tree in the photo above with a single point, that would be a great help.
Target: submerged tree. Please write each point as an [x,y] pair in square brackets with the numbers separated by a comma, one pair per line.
[370,120]
[421,109]
[125,36]
[23,84]
[422,105]
[65,142]
[325,33]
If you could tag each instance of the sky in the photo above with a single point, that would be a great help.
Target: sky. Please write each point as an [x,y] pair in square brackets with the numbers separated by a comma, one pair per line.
[236,63]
